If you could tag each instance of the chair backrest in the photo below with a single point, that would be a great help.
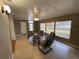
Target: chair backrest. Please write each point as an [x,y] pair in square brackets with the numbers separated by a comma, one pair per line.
[48,42]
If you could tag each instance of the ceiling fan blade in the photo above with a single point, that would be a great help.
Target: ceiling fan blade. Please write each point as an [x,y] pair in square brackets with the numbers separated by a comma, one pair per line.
[9,0]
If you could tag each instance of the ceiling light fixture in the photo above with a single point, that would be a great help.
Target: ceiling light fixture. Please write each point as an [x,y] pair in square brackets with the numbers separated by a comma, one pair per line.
[36,14]
[7,9]
[35,10]
[36,19]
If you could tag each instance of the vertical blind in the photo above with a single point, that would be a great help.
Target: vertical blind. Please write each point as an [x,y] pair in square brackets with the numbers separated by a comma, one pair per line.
[63,29]
[49,27]
[30,25]
[42,27]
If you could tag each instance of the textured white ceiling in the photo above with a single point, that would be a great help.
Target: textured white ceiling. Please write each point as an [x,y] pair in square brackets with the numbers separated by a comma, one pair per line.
[48,8]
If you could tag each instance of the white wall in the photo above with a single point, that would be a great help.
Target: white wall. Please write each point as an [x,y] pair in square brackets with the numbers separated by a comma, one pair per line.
[5,38]
[5,41]
[12,30]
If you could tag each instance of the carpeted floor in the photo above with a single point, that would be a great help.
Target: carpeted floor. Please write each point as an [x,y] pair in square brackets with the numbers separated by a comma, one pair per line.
[25,50]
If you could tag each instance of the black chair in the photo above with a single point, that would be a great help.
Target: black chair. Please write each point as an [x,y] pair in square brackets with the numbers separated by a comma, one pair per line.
[35,39]
[45,47]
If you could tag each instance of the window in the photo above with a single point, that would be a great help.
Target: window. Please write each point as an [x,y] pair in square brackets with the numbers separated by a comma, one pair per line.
[42,27]
[49,27]
[63,29]
[30,25]
[23,28]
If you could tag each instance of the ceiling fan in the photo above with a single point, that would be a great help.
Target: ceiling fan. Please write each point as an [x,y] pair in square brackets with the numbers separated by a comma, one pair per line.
[36,14]
[9,0]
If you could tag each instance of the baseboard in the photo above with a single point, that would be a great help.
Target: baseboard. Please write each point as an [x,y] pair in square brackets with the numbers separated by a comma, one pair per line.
[19,35]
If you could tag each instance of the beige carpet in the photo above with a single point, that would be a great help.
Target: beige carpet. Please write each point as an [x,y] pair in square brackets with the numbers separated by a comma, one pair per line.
[25,50]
